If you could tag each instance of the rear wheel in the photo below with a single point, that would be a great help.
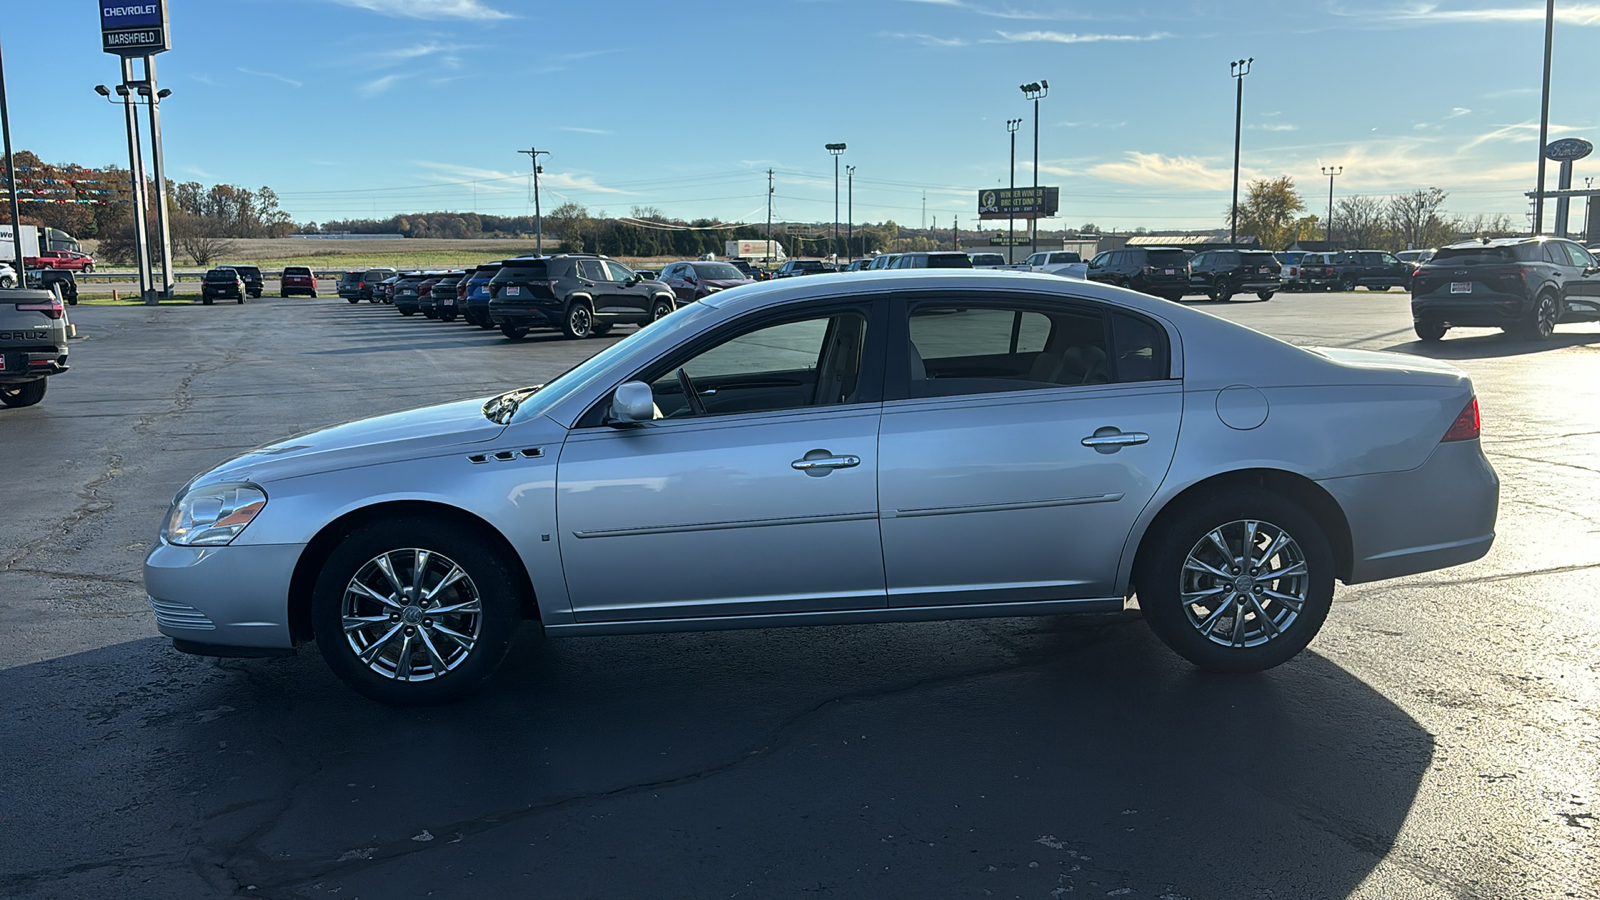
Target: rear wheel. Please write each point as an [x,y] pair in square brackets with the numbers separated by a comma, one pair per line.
[602,328]
[282,294]
[205,300]
[579,322]
[1541,322]
[1223,292]
[1430,332]
[25,394]
[355,299]
[412,611]
[1348,285]
[408,312]
[1381,287]
[1265,295]
[1173,296]
[7,282]
[514,332]
[1238,582]
[661,309]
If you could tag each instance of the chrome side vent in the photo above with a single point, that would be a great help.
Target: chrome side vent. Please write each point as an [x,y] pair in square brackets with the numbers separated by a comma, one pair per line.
[506,455]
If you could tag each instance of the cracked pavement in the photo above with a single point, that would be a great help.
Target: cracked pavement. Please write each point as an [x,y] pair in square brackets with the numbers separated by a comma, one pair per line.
[1439,740]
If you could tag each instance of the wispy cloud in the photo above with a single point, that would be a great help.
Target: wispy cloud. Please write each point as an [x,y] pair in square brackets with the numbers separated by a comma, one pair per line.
[1064,37]
[997,12]
[1435,13]
[1521,133]
[926,40]
[1273,126]
[492,181]
[1159,170]
[420,51]
[272,75]
[1090,124]
[429,9]
[1457,111]
[378,85]
[572,182]
[583,130]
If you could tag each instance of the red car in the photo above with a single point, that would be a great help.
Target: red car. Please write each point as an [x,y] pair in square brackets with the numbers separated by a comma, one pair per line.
[61,259]
[298,280]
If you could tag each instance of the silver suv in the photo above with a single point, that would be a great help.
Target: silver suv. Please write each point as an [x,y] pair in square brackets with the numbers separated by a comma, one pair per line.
[33,344]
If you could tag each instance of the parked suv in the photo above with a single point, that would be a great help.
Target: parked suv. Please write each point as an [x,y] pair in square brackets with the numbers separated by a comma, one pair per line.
[405,295]
[580,294]
[33,344]
[371,282]
[445,296]
[223,281]
[1039,262]
[296,280]
[794,267]
[350,287]
[251,276]
[475,302]
[61,281]
[692,281]
[947,259]
[1347,270]
[1162,271]
[1524,285]
[1219,274]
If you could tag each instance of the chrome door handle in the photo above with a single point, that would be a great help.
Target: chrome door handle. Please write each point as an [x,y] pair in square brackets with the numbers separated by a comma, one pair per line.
[1110,437]
[810,463]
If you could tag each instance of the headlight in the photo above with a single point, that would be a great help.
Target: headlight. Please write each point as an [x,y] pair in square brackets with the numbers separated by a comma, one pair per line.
[214,515]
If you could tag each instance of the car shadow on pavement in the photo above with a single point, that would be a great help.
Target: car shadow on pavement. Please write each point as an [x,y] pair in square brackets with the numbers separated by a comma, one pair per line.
[1486,344]
[1018,756]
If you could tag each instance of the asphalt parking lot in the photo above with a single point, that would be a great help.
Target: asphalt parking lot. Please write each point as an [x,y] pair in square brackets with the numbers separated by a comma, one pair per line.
[1439,740]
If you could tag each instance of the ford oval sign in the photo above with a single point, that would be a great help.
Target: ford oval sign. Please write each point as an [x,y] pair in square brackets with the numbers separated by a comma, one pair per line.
[1568,149]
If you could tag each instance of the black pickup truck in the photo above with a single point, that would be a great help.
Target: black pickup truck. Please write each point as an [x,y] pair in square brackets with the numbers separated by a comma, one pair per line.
[1347,270]
[33,344]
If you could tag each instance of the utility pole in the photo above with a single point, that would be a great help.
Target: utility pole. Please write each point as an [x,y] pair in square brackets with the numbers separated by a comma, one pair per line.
[11,180]
[1544,114]
[1331,171]
[924,210]
[955,234]
[836,150]
[1036,91]
[1238,70]
[767,254]
[538,216]
[850,213]
[1011,221]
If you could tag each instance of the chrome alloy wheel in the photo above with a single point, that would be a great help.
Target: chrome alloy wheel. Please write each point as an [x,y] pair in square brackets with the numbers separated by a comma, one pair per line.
[411,615]
[1244,583]
[578,320]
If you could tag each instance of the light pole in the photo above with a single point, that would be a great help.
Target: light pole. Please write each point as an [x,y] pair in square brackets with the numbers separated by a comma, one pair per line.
[1036,91]
[153,99]
[1544,114]
[836,150]
[11,180]
[849,213]
[1011,222]
[538,217]
[1331,171]
[141,233]
[1238,70]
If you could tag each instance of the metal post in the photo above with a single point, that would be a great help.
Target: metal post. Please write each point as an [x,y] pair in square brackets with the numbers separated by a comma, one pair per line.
[850,213]
[1036,91]
[1238,70]
[538,216]
[1544,114]
[1563,202]
[836,150]
[11,180]
[767,253]
[1011,221]
[141,205]
[1331,171]
[163,225]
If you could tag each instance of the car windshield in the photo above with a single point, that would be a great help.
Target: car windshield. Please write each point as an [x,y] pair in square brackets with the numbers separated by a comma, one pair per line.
[719,273]
[1476,255]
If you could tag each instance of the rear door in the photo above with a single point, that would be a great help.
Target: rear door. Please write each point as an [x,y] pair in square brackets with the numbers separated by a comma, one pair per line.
[1583,286]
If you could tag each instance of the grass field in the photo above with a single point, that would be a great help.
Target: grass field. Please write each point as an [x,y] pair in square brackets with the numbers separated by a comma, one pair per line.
[397,253]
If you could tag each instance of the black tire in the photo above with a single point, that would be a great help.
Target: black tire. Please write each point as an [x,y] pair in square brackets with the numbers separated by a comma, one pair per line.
[430,314]
[1223,292]
[1430,332]
[1173,296]
[486,323]
[457,670]
[1541,321]
[255,295]
[240,300]
[578,323]
[354,299]
[661,309]
[1380,287]
[601,329]
[313,295]
[283,295]
[26,394]
[1253,644]
[1265,295]
[206,301]
[1348,285]
[514,332]
[408,312]
[447,317]
[7,283]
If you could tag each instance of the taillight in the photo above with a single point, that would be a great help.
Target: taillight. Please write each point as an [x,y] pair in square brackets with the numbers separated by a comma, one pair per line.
[1467,426]
[1149,269]
[53,309]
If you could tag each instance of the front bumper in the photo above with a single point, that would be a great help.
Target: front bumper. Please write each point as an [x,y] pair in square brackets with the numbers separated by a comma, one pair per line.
[233,596]
[1440,514]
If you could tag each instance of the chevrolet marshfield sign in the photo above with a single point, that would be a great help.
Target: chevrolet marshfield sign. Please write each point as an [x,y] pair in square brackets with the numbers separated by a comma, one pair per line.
[134,27]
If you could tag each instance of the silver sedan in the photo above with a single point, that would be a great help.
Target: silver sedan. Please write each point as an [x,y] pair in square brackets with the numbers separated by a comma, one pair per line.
[871,448]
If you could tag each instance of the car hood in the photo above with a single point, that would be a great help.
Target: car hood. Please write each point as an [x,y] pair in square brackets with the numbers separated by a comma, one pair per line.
[727,282]
[1381,363]
[430,431]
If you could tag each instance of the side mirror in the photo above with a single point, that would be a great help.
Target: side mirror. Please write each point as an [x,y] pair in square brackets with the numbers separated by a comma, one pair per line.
[1590,270]
[635,278]
[632,403]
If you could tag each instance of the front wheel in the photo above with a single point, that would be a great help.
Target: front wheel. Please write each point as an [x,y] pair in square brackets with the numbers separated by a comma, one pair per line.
[579,322]
[354,299]
[1265,295]
[1379,287]
[25,394]
[283,295]
[411,611]
[1430,332]
[1238,582]
[661,309]
[1222,293]
[1348,286]
[7,282]
[514,332]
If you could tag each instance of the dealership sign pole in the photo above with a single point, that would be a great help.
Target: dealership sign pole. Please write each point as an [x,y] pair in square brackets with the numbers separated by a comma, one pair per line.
[130,29]
[1565,151]
[11,179]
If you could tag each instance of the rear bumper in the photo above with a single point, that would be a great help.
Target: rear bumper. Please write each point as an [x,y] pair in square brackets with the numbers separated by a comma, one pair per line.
[523,316]
[1440,514]
[1481,309]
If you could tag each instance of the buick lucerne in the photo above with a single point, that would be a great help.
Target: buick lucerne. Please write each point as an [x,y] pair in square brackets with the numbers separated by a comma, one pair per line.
[884,446]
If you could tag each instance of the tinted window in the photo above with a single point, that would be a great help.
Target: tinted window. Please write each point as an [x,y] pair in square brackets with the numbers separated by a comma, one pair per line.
[958,350]
[1167,258]
[949,261]
[1553,253]
[617,271]
[1141,349]
[296,270]
[522,270]
[1065,258]
[221,275]
[719,272]
[1578,255]
[1258,259]
[1479,255]
[987,259]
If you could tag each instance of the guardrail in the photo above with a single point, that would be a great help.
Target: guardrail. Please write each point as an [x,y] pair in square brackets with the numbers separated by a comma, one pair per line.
[102,276]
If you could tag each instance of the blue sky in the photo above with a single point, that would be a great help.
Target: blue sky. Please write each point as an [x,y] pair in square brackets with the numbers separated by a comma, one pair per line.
[354,108]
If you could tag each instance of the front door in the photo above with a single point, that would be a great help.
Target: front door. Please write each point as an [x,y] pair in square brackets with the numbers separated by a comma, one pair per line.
[1028,440]
[754,491]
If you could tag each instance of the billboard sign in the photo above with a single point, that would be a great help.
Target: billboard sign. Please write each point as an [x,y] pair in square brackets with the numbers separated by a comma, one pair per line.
[134,27]
[1018,203]
[1567,149]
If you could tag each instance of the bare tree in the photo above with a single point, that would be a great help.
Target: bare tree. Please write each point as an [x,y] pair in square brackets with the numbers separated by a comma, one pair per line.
[1416,220]
[1360,222]
[201,238]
